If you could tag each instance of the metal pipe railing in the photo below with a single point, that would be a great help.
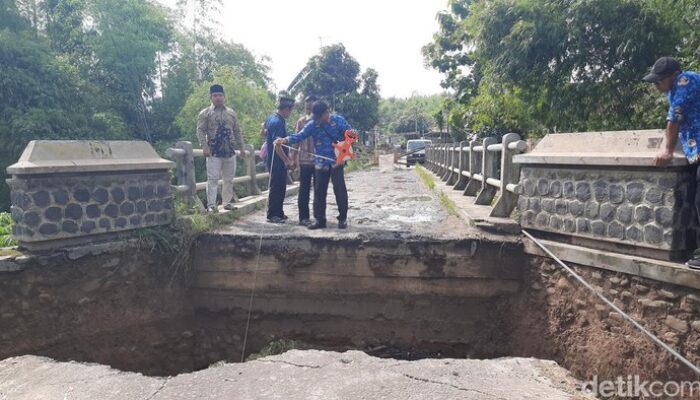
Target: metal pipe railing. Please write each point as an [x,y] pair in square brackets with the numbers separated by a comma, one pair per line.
[483,170]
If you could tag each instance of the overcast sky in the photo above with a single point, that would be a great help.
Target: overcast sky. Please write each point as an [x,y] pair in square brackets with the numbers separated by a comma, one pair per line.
[386,35]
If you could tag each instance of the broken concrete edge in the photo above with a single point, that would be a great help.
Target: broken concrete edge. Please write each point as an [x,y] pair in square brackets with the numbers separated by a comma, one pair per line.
[299,374]
[662,271]
[20,258]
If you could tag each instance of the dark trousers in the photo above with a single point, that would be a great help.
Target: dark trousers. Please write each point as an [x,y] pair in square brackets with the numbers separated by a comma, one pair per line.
[306,175]
[323,177]
[278,189]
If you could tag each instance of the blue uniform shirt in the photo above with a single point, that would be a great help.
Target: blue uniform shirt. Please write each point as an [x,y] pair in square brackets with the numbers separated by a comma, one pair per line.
[324,136]
[276,128]
[684,108]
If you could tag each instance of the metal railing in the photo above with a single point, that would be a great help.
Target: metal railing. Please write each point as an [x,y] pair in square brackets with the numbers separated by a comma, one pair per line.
[481,169]
[187,186]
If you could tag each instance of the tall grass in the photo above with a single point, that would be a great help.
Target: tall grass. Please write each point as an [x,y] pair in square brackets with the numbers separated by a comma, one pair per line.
[6,239]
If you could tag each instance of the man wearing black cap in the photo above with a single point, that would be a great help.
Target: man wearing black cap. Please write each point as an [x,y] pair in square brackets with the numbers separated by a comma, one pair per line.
[683,120]
[303,156]
[219,135]
[276,127]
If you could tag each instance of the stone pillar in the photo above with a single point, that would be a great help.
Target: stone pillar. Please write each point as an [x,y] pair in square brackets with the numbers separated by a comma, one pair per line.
[602,190]
[66,192]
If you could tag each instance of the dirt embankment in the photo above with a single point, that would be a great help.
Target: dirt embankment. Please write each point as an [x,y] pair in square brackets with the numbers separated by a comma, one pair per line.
[562,320]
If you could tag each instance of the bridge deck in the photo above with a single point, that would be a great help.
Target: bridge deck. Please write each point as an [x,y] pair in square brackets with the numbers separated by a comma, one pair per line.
[392,204]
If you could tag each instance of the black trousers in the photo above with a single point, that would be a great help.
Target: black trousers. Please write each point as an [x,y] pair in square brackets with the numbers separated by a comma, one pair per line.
[306,175]
[278,189]
[323,177]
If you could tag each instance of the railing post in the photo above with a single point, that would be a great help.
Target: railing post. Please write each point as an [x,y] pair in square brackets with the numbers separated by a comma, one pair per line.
[463,166]
[448,163]
[249,158]
[454,164]
[186,175]
[510,174]
[473,185]
[487,192]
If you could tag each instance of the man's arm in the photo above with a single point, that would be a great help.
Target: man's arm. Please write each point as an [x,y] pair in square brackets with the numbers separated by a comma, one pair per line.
[202,133]
[236,130]
[301,135]
[669,145]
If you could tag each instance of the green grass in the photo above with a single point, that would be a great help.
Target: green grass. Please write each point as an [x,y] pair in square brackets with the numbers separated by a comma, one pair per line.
[426,177]
[448,204]
[429,181]
[6,239]
[176,239]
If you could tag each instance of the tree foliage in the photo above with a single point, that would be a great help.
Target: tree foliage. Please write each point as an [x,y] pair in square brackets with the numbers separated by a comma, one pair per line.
[537,66]
[103,69]
[334,75]
[404,115]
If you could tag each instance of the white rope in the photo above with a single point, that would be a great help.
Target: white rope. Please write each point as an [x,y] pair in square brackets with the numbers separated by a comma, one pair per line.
[655,339]
[257,264]
[308,152]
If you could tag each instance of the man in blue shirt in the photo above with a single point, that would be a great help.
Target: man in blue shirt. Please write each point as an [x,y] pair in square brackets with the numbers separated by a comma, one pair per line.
[325,129]
[683,120]
[276,127]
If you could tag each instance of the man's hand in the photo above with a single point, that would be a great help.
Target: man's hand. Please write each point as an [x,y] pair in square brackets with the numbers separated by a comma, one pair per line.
[280,141]
[663,158]
[207,153]
[292,166]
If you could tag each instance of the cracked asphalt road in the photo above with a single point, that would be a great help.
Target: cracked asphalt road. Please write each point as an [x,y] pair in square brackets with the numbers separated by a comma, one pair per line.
[295,375]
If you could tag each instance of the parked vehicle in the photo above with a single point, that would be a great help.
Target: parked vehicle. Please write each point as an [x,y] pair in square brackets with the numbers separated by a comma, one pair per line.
[416,151]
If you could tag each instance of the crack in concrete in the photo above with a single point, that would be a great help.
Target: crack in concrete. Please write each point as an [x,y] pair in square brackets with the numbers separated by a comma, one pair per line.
[292,364]
[450,385]
[165,382]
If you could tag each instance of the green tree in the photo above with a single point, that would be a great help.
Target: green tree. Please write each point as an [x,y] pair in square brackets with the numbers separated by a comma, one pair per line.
[542,66]
[126,37]
[334,75]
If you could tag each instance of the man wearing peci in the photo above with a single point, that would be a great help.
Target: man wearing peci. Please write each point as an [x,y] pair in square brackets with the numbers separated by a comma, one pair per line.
[219,135]
[276,127]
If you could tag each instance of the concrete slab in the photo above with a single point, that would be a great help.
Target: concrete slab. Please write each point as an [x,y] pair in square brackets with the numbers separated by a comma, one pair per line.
[624,148]
[64,156]
[296,375]
[392,205]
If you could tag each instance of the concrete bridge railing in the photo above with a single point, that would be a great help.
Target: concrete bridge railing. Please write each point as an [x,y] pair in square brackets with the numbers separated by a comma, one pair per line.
[183,154]
[481,170]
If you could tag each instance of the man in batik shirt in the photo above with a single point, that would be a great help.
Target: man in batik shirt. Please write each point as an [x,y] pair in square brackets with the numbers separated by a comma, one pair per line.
[683,120]
[219,136]
[304,157]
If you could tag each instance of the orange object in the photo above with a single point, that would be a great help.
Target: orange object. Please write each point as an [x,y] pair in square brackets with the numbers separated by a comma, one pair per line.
[343,150]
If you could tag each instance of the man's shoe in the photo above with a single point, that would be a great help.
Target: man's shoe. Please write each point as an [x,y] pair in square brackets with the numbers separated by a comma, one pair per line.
[275,220]
[284,217]
[693,263]
[317,225]
[305,222]
[213,209]
[229,207]
[343,224]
